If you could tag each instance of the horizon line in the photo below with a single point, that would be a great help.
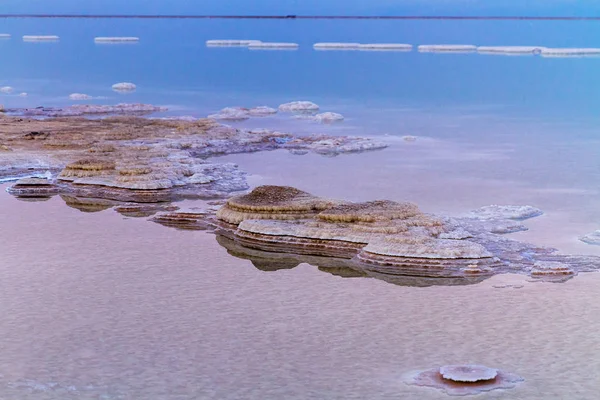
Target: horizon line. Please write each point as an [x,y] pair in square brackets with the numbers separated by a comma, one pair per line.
[293,16]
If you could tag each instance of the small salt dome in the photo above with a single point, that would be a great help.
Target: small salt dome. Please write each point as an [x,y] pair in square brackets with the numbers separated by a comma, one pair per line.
[409,138]
[46,38]
[551,268]
[329,117]
[231,114]
[6,89]
[116,39]
[272,45]
[262,111]
[468,373]
[447,48]
[299,106]
[124,87]
[79,96]
[23,94]
[336,46]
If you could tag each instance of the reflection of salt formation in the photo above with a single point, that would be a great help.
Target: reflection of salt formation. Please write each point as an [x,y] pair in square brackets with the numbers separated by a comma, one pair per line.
[192,221]
[33,188]
[79,96]
[566,52]
[272,46]
[299,107]
[47,38]
[133,210]
[447,48]
[124,87]
[87,204]
[386,46]
[117,39]
[336,46]
[6,90]
[592,238]
[230,43]
[508,50]
[241,113]
[461,380]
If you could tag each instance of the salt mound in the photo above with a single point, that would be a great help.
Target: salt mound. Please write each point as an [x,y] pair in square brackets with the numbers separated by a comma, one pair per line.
[116,39]
[568,52]
[272,45]
[33,187]
[371,211]
[447,48]
[79,96]
[183,220]
[550,269]
[425,247]
[47,38]
[506,212]
[510,49]
[386,46]
[591,238]
[328,117]
[462,380]
[23,94]
[124,87]
[231,114]
[262,111]
[336,46]
[299,106]
[409,138]
[6,89]
[225,43]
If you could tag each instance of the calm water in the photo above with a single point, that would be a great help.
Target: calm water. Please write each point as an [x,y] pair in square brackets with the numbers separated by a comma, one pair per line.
[105,307]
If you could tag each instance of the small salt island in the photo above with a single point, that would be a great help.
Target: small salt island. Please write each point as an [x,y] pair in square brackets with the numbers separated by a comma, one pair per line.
[447,48]
[5,35]
[336,46]
[79,96]
[116,39]
[299,107]
[273,46]
[386,46]
[46,38]
[510,50]
[124,87]
[231,43]
[6,89]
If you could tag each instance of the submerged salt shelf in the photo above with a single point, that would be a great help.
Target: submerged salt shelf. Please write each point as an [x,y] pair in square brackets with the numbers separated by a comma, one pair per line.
[447,48]
[510,50]
[336,46]
[272,45]
[570,52]
[231,42]
[47,38]
[117,39]
[386,46]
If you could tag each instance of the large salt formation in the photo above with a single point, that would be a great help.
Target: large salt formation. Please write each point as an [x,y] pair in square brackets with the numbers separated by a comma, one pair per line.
[390,238]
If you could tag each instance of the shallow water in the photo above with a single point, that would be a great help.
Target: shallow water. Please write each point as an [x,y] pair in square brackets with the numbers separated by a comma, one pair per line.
[94,305]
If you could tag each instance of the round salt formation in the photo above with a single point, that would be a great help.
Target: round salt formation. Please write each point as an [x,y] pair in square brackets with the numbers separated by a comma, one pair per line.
[232,43]
[124,87]
[336,46]
[574,52]
[23,94]
[522,50]
[46,38]
[79,96]
[447,48]
[33,187]
[272,45]
[116,39]
[506,212]
[328,117]
[462,380]
[6,90]
[299,106]
[386,46]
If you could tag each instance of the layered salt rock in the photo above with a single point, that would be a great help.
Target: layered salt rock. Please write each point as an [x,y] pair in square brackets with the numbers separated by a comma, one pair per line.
[124,87]
[523,50]
[461,380]
[386,46]
[299,106]
[133,210]
[272,45]
[336,46]
[447,48]
[328,117]
[271,202]
[225,43]
[33,187]
[79,96]
[6,90]
[46,38]
[116,39]
[570,52]
[592,238]
[551,270]
[506,212]
[195,221]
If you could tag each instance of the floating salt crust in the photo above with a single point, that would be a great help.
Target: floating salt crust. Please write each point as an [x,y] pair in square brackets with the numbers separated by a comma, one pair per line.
[4,35]
[117,39]
[510,49]
[447,48]
[272,45]
[47,38]
[336,46]
[224,43]
[386,46]
[571,52]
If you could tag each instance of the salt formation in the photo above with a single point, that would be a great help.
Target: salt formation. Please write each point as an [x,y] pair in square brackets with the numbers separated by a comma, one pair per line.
[336,46]
[23,94]
[551,271]
[447,48]
[241,113]
[570,52]
[5,35]
[386,46]
[47,38]
[299,106]
[506,212]
[461,380]
[136,210]
[409,138]
[183,220]
[272,45]
[516,50]
[33,188]
[87,109]
[124,87]
[232,43]
[6,89]
[117,39]
[79,96]
[328,117]
[592,238]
